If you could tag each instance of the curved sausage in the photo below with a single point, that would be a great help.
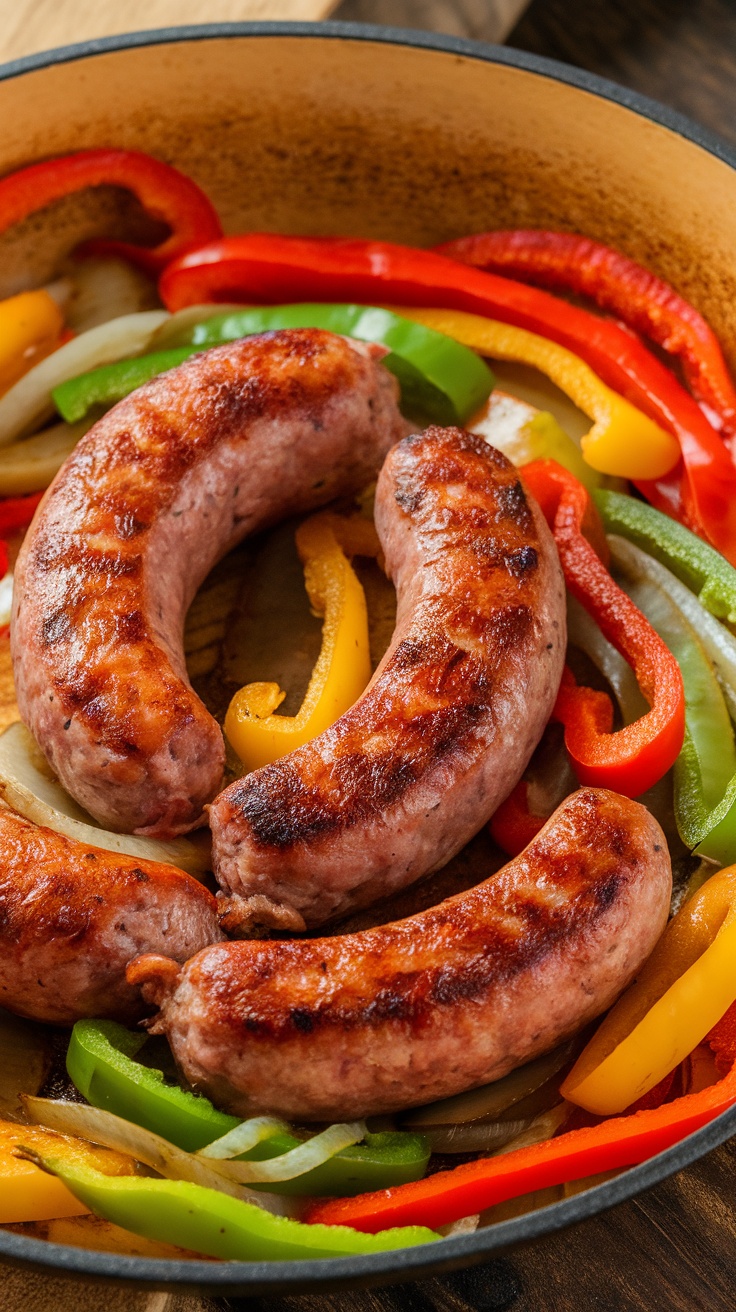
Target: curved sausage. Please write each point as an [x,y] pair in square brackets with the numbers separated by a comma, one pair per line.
[72,917]
[404,779]
[367,1023]
[167,482]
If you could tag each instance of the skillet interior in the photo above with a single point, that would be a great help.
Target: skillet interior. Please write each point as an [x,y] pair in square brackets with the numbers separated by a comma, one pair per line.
[398,135]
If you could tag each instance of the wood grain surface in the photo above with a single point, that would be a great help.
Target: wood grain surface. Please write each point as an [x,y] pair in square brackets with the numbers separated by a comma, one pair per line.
[674,1248]
[31,25]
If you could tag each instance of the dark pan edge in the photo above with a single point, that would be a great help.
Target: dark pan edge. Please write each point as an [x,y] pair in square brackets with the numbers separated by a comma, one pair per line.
[406,1264]
[254,1278]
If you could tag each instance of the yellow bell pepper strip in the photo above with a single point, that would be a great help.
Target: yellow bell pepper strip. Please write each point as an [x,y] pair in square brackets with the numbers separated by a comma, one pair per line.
[31,325]
[685,987]
[623,440]
[206,1221]
[343,667]
[26,1193]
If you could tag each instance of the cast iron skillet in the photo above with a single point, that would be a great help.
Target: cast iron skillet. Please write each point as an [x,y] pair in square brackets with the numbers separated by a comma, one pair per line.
[259,1278]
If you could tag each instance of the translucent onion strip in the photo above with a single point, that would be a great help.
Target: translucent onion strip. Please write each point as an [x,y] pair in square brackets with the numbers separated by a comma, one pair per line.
[101,1127]
[718,642]
[30,465]
[244,1137]
[6,599]
[583,632]
[297,1161]
[28,787]
[28,403]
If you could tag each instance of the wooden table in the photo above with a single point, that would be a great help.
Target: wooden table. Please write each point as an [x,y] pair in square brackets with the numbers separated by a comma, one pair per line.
[674,1249]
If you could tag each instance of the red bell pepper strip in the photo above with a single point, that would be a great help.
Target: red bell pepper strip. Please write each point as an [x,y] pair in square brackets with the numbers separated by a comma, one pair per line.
[16,513]
[645,303]
[513,825]
[447,1196]
[634,758]
[164,192]
[270,268]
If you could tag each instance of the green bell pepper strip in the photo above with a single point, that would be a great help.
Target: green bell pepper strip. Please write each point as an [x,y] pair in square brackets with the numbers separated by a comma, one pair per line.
[100,1062]
[111,382]
[441,380]
[206,1221]
[705,571]
[705,771]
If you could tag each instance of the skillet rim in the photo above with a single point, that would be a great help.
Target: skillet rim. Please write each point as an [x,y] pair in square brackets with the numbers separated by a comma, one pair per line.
[254,1278]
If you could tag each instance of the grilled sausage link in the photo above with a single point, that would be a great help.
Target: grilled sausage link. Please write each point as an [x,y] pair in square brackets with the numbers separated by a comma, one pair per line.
[167,482]
[404,779]
[393,1017]
[72,917]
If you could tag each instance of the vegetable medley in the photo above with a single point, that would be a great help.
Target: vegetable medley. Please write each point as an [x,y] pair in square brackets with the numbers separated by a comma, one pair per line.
[643,513]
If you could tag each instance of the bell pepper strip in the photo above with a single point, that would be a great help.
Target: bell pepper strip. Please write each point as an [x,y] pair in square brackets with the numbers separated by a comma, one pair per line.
[623,441]
[441,380]
[271,268]
[611,1145]
[216,1224]
[26,1193]
[513,825]
[636,756]
[16,513]
[111,382]
[704,570]
[705,771]
[101,1064]
[342,670]
[681,992]
[165,194]
[568,262]
[31,326]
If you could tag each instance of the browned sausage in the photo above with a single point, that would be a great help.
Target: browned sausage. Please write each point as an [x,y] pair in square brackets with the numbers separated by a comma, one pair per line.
[72,917]
[452,998]
[167,482]
[403,780]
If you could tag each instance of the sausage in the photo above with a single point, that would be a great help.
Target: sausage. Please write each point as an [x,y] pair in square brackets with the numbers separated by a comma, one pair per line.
[155,493]
[404,779]
[72,917]
[457,996]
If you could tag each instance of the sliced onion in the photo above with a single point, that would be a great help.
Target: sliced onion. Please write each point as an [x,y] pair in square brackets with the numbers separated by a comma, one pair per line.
[244,1137]
[6,599]
[103,289]
[477,1137]
[583,632]
[30,465]
[718,644]
[542,1128]
[297,1161]
[488,1102]
[176,331]
[28,403]
[101,1127]
[28,786]
[467,1225]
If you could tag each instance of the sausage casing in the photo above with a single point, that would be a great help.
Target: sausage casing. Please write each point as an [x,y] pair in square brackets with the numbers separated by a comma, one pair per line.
[457,996]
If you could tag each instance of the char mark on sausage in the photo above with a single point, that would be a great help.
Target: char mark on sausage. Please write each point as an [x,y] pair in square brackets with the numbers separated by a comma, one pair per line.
[404,779]
[167,482]
[455,997]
